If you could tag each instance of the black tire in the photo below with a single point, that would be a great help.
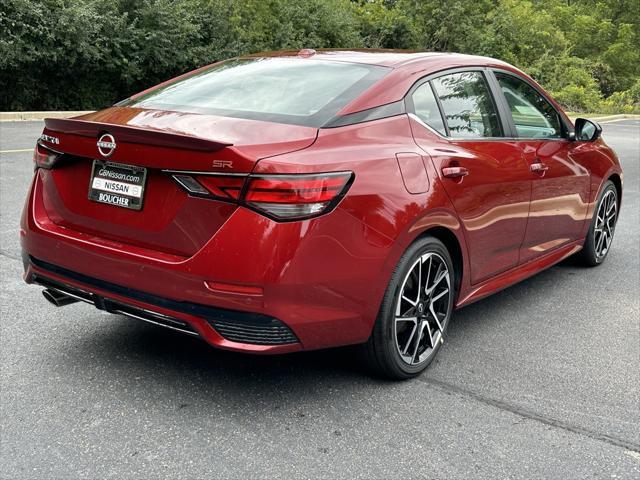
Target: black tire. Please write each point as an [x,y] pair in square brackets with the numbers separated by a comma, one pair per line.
[383,349]
[593,252]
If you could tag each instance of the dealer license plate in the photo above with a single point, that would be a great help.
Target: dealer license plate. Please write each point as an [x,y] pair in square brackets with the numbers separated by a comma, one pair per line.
[117,184]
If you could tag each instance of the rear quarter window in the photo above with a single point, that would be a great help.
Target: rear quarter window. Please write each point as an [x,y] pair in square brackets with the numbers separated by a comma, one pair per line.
[426,108]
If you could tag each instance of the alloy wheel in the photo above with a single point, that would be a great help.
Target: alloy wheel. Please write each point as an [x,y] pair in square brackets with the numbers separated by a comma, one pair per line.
[422,308]
[605,224]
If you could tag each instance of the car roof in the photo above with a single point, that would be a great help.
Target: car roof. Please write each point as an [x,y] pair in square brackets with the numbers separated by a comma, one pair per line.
[382,57]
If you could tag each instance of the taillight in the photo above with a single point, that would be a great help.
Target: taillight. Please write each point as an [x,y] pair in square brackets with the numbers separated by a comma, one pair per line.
[289,197]
[225,187]
[280,197]
[221,187]
[43,157]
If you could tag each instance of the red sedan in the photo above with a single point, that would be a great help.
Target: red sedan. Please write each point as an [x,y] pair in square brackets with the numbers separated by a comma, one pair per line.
[303,200]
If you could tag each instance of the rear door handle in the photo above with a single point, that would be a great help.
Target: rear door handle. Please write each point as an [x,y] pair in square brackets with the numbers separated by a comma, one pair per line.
[454,172]
[539,167]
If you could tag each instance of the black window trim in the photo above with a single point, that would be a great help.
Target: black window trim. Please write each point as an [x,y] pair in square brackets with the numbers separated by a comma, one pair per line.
[443,117]
[376,113]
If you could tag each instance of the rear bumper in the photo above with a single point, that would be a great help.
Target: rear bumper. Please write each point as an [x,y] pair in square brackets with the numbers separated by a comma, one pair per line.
[229,329]
[320,279]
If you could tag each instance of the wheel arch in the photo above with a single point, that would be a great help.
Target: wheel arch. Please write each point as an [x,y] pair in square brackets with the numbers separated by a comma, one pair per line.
[451,242]
[617,182]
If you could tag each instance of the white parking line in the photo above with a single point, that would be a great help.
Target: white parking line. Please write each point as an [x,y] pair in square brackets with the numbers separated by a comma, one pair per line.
[633,454]
[17,151]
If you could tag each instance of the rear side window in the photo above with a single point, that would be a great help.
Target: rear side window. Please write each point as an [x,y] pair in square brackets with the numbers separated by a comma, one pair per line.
[426,108]
[285,90]
[469,109]
[532,114]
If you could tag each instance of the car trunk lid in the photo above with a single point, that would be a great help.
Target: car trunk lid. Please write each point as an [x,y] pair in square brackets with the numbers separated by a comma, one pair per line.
[169,220]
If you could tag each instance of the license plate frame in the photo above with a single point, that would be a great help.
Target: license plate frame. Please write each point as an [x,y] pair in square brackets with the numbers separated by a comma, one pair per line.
[117,184]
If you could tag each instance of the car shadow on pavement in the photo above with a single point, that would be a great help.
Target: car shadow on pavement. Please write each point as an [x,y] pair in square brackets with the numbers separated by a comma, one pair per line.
[163,356]
[126,349]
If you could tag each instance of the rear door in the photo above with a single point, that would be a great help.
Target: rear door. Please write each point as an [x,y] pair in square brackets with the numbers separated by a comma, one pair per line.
[561,186]
[455,120]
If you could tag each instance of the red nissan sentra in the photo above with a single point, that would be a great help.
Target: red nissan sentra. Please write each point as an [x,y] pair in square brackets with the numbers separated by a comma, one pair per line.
[303,200]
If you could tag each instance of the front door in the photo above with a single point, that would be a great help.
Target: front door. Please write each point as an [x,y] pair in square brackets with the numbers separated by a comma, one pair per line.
[561,186]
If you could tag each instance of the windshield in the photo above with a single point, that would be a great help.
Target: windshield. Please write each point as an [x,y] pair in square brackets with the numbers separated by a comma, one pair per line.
[284,90]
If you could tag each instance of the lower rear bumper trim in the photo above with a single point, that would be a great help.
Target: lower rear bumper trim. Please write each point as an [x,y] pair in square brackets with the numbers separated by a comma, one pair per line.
[116,307]
[236,326]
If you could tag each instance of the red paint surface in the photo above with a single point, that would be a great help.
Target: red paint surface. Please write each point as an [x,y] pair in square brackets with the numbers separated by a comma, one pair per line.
[323,277]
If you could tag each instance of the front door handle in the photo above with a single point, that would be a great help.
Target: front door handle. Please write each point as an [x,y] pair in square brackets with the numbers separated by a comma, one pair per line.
[454,172]
[539,167]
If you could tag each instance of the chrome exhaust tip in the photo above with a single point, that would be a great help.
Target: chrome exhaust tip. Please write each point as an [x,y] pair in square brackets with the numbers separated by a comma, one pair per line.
[57,298]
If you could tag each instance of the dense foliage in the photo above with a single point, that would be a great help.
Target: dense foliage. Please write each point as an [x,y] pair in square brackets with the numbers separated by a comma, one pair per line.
[83,54]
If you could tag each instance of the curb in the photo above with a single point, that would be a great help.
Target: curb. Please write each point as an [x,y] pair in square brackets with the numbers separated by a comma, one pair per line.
[609,118]
[612,118]
[33,116]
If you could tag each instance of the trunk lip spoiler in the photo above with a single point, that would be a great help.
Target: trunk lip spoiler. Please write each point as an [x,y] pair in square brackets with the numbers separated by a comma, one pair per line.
[132,134]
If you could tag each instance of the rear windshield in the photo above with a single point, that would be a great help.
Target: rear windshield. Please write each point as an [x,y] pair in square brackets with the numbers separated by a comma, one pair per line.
[285,90]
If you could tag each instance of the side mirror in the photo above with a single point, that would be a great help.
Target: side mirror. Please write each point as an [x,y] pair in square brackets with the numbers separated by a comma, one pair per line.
[587,130]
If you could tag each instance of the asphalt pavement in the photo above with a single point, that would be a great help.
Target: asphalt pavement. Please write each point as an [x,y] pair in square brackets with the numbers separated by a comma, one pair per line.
[539,381]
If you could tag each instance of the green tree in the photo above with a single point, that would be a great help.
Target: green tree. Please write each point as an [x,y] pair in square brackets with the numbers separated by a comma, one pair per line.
[72,54]
[382,26]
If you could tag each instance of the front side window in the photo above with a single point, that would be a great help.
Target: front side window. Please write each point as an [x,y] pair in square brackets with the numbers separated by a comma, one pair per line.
[285,90]
[532,114]
[468,106]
